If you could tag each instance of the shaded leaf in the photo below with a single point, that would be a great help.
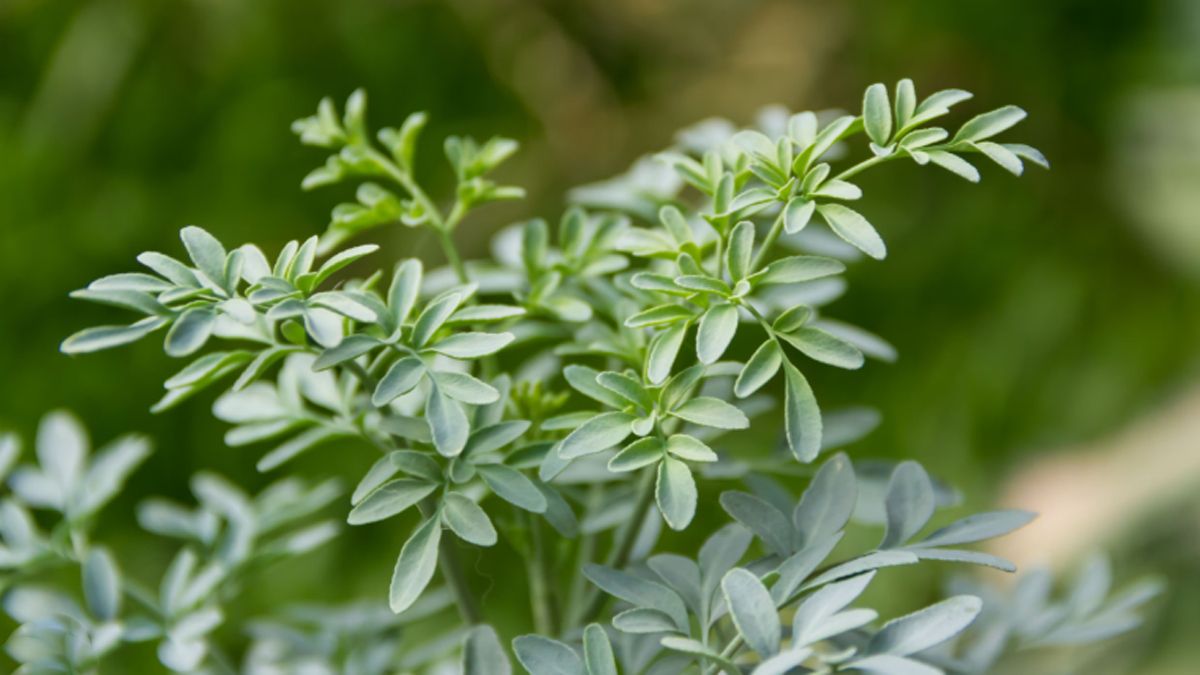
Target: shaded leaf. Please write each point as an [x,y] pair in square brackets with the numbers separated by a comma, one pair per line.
[910,503]
[543,656]
[448,423]
[483,654]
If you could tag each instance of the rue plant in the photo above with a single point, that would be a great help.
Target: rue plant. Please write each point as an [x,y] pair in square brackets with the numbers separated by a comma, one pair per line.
[569,396]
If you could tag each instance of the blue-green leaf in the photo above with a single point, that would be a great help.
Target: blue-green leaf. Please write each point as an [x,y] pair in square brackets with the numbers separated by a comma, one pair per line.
[675,492]
[752,610]
[802,416]
[711,412]
[389,499]
[415,566]
[543,656]
[483,654]
[877,114]
[599,433]
[448,423]
[467,520]
[854,229]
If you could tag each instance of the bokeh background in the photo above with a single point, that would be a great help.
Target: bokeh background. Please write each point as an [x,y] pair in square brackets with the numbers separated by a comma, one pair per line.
[1049,327]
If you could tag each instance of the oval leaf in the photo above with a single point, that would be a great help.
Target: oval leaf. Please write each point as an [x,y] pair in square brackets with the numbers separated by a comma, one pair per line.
[854,229]
[675,492]
[467,520]
[415,566]
[752,610]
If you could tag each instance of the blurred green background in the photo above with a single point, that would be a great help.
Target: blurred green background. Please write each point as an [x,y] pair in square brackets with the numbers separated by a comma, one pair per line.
[1058,310]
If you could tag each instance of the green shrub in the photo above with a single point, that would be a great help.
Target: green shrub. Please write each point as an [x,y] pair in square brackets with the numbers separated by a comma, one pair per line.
[562,396]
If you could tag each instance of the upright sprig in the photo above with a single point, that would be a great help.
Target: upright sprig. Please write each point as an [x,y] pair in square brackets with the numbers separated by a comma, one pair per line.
[357,155]
[349,355]
[723,271]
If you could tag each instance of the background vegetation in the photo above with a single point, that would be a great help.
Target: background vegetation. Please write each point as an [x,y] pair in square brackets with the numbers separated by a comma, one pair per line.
[1057,312]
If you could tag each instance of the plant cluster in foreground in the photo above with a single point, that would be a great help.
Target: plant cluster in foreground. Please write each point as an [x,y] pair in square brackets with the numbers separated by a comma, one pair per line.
[565,396]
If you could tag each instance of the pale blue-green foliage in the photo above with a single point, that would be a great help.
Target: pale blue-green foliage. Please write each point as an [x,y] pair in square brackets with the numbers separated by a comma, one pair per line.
[358,156]
[360,638]
[581,377]
[225,537]
[677,602]
[795,546]
[1029,616]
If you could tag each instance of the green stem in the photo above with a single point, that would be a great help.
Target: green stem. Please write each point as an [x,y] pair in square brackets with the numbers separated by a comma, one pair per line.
[762,320]
[447,242]
[452,571]
[545,609]
[623,545]
[442,225]
[769,241]
[142,595]
[865,164]
[406,181]
[720,256]
[448,559]
[727,654]
[457,213]
[583,555]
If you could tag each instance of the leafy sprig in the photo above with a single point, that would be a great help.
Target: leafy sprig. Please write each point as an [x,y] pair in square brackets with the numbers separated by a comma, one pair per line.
[356,155]
[226,539]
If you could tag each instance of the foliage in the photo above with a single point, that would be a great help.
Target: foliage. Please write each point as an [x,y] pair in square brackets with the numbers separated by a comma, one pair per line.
[226,538]
[583,380]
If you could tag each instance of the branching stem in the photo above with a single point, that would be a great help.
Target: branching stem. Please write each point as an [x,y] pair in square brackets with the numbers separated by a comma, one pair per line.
[864,165]
[769,240]
[542,600]
[623,545]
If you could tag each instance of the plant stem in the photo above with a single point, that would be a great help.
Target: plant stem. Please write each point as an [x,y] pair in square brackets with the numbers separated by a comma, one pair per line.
[442,225]
[727,654]
[865,164]
[583,555]
[545,609]
[769,241]
[406,181]
[451,567]
[623,544]
[447,242]
[457,213]
[720,257]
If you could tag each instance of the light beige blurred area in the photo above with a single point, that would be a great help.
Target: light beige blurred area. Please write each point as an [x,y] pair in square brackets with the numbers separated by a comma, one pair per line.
[1094,495]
